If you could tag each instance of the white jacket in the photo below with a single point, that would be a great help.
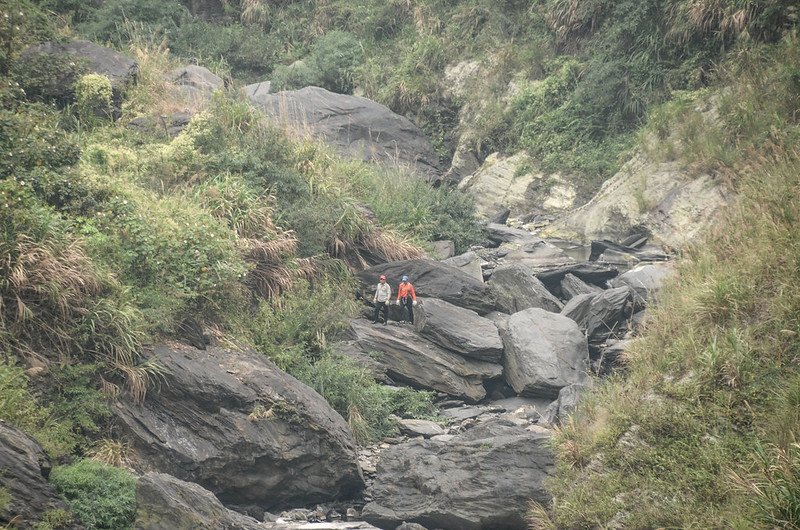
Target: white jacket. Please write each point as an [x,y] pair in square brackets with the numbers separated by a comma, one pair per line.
[383,293]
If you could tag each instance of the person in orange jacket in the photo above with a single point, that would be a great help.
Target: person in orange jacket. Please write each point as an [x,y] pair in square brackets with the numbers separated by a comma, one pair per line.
[406,297]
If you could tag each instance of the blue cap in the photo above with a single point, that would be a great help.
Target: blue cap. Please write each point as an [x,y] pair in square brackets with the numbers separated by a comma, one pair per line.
[405,278]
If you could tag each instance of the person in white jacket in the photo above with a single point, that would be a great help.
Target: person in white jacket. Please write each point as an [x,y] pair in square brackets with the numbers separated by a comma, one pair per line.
[382,299]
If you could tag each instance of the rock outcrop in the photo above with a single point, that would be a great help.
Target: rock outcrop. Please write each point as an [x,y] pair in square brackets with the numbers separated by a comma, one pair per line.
[411,359]
[517,288]
[593,273]
[241,428]
[544,352]
[353,125]
[459,330]
[91,58]
[512,182]
[433,279]
[167,503]
[24,468]
[659,197]
[483,478]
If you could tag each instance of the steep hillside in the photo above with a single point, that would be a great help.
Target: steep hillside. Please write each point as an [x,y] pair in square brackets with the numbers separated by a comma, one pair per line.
[139,212]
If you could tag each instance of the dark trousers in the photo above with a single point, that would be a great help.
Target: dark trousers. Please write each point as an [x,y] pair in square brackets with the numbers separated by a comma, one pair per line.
[381,306]
[408,303]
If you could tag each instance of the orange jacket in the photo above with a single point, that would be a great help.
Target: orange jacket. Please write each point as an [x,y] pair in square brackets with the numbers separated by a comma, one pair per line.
[404,290]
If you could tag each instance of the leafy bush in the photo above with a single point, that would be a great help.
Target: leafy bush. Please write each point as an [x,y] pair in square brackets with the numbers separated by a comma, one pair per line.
[93,96]
[336,55]
[30,137]
[103,497]
[22,23]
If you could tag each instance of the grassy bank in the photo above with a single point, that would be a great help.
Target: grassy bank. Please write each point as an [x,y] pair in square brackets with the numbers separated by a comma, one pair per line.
[700,427]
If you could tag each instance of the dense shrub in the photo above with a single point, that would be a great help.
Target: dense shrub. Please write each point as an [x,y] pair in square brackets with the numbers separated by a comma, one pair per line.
[102,496]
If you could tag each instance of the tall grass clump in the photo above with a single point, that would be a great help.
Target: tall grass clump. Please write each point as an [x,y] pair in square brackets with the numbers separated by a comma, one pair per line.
[708,392]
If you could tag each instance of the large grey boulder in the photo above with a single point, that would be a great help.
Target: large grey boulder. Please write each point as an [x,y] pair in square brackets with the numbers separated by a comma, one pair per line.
[544,352]
[468,262]
[412,359]
[539,255]
[600,314]
[353,125]
[483,478]
[518,288]
[645,280]
[459,330]
[197,83]
[93,58]
[433,279]
[167,503]
[243,429]
[24,468]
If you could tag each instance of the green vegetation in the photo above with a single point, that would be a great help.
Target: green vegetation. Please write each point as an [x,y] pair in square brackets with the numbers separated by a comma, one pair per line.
[112,238]
[700,430]
[102,496]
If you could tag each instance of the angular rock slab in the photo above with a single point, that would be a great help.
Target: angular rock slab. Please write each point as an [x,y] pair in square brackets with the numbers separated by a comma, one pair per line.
[24,468]
[567,402]
[351,124]
[433,279]
[483,478]
[590,272]
[601,313]
[645,280]
[544,352]
[518,288]
[468,262]
[243,429]
[572,286]
[167,503]
[411,359]
[423,428]
[459,330]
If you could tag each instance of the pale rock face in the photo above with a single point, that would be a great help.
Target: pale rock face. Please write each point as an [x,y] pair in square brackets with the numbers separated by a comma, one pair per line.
[661,197]
[501,183]
[458,76]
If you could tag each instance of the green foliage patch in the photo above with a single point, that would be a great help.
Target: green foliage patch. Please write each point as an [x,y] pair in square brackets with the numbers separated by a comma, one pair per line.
[102,496]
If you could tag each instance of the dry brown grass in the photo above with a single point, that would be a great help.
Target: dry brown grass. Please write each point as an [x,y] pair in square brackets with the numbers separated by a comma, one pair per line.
[44,291]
